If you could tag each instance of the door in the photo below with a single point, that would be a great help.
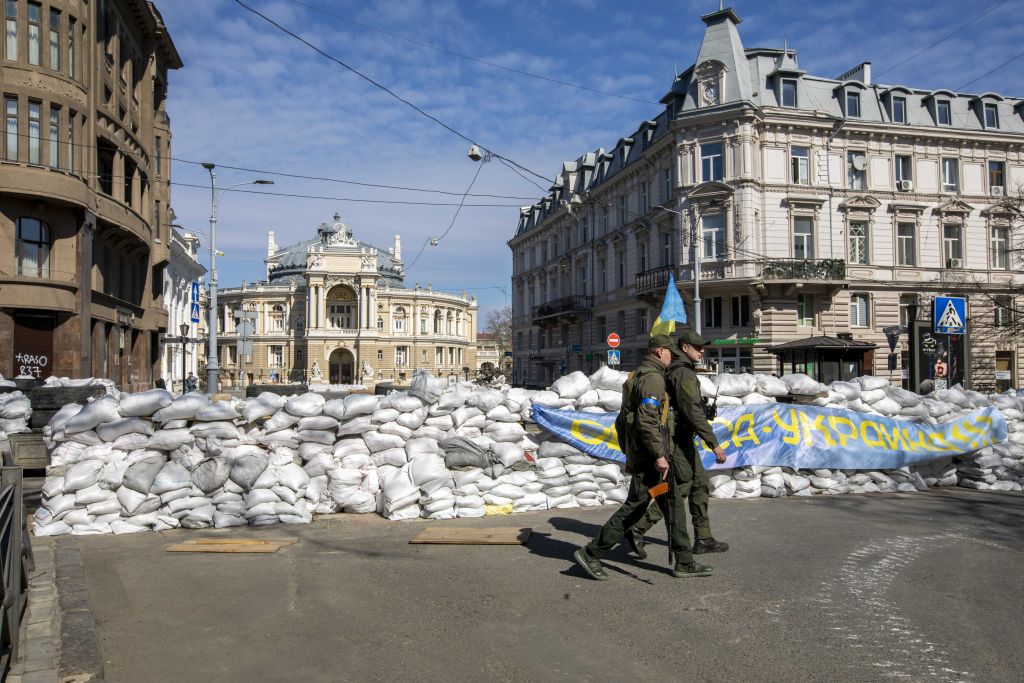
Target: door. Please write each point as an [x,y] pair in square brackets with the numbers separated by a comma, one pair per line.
[33,345]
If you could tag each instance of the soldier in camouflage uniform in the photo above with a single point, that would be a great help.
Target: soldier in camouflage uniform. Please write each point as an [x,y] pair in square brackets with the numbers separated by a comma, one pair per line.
[644,445]
[684,390]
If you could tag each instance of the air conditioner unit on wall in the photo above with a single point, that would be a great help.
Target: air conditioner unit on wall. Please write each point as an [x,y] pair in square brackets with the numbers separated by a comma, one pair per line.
[955,263]
[997,190]
[905,185]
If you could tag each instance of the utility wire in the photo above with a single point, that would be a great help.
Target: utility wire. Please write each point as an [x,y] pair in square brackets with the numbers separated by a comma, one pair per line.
[473,59]
[345,199]
[943,39]
[385,89]
[451,225]
[988,73]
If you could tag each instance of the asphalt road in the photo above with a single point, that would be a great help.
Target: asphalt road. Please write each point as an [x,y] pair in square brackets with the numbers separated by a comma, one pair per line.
[831,588]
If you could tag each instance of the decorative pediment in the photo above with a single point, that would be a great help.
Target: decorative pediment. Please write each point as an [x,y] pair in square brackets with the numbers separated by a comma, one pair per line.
[713,190]
[906,207]
[619,236]
[997,212]
[860,203]
[954,206]
[804,200]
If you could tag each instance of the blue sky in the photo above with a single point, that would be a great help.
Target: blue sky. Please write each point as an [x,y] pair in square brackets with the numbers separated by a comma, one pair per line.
[253,97]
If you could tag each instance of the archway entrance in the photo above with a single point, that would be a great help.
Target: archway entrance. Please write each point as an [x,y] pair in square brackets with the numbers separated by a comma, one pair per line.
[342,365]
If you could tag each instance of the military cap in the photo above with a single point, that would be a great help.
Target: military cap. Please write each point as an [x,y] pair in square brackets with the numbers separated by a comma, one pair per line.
[692,338]
[664,341]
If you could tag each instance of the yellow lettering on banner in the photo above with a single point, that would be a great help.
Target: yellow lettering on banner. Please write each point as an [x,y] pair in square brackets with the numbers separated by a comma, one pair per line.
[598,434]
[817,424]
[877,440]
[917,441]
[893,440]
[961,437]
[938,440]
[792,428]
[724,443]
[746,420]
[984,441]
[835,421]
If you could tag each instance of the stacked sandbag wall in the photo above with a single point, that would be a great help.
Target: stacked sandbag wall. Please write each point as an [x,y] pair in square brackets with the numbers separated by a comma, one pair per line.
[132,462]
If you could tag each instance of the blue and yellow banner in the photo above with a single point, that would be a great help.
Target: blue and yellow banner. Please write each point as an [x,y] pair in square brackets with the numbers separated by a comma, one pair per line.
[801,437]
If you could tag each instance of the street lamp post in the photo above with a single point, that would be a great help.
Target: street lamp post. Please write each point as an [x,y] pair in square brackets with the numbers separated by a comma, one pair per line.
[184,336]
[212,362]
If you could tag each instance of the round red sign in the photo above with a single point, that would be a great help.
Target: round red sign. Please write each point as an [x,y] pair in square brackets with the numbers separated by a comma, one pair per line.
[614,340]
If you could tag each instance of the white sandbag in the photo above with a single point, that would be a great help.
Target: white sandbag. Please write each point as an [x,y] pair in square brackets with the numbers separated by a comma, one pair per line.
[293,477]
[90,495]
[66,412]
[350,446]
[182,408]
[485,399]
[886,406]
[572,385]
[501,413]
[550,399]
[726,490]
[280,421]
[320,436]
[219,410]
[255,409]
[735,385]
[246,469]
[145,403]
[870,382]
[170,477]
[508,454]
[377,441]
[757,399]
[110,431]
[396,457]
[425,468]
[219,430]
[306,405]
[402,402]
[211,474]
[771,386]
[355,426]
[57,528]
[99,411]
[608,378]
[414,418]
[588,399]
[506,431]
[416,447]
[426,387]
[81,475]
[359,404]
[130,442]
[906,399]
[170,439]
[140,475]
[803,385]
[384,415]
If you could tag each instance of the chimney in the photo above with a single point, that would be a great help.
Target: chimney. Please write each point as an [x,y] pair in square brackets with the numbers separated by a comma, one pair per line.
[271,244]
[398,247]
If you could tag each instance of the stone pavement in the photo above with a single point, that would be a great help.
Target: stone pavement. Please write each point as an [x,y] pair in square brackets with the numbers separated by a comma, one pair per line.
[40,626]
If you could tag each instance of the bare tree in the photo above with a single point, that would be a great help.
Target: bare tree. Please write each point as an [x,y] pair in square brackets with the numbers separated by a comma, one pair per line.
[499,322]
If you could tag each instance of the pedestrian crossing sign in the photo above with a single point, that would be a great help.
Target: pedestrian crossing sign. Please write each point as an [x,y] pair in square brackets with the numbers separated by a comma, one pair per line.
[195,313]
[195,291]
[950,315]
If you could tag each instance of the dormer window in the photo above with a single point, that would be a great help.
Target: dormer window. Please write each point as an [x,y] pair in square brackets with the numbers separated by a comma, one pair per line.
[789,92]
[943,112]
[853,105]
[899,109]
[991,115]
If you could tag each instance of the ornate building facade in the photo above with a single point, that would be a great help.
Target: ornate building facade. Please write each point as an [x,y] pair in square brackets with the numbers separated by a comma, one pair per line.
[84,189]
[335,310]
[183,269]
[820,213]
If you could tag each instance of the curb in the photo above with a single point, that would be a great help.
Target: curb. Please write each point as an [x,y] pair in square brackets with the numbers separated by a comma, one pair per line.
[79,657]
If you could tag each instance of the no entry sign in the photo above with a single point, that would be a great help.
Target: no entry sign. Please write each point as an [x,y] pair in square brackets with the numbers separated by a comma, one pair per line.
[614,340]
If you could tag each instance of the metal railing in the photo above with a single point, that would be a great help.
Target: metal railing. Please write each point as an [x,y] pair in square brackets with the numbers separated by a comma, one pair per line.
[804,269]
[567,304]
[15,561]
[655,279]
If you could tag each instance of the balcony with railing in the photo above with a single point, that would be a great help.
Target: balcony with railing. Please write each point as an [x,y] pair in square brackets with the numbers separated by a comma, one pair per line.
[804,269]
[654,280]
[566,308]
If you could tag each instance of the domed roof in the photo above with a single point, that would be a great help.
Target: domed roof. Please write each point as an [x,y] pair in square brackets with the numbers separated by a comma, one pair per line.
[334,227]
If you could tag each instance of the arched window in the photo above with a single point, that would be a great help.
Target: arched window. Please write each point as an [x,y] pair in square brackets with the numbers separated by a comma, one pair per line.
[437,322]
[277,317]
[380,323]
[448,326]
[399,319]
[32,248]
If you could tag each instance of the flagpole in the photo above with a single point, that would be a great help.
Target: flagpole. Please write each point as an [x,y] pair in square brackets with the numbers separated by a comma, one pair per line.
[696,271]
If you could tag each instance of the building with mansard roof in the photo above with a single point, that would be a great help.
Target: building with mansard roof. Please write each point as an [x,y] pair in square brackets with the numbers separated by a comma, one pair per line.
[334,309]
[819,217]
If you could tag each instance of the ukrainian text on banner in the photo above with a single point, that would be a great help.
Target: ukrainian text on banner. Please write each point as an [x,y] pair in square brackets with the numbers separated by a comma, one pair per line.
[801,437]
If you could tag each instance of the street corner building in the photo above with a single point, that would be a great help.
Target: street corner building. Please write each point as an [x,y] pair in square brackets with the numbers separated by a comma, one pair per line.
[84,189]
[815,214]
[335,310]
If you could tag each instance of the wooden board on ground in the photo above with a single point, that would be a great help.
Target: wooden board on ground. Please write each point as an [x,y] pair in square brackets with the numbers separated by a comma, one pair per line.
[467,536]
[230,545]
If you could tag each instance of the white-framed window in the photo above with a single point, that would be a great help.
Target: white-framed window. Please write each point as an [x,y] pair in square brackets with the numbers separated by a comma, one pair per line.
[54,39]
[899,109]
[952,244]
[711,161]
[423,325]
[380,354]
[805,309]
[275,356]
[857,170]
[713,235]
[645,204]
[906,300]
[906,244]
[740,310]
[34,17]
[803,237]
[1003,312]
[800,165]
[789,92]
[380,323]
[713,311]
[401,356]
[904,167]
[11,30]
[277,317]
[858,237]
[859,310]
[623,219]
[32,248]
[996,174]
[34,130]
[666,249]
[991,111]
[54,133]
[641,256]
[950,174]
[72,24]
[399,319]
[666,188]
[11,128]
[642,321]
[853,105]
[1000,247]
[944,112]
[340,316]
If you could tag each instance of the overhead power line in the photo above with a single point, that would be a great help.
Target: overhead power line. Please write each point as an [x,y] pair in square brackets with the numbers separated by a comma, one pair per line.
[943,39]
[390,92]
[989,73]
[345,199]
[473,59]
[434,241]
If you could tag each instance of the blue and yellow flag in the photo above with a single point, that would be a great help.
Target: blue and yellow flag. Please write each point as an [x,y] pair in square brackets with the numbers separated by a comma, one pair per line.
[672,310]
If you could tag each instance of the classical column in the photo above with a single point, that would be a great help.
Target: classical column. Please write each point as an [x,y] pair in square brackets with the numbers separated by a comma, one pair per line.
[85,237]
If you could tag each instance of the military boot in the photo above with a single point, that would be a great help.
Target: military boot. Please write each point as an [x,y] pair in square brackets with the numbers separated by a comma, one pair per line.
[590,564]
[709,545]
[683,571]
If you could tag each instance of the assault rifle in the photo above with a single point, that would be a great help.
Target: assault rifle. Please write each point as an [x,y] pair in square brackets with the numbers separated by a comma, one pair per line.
[667,486]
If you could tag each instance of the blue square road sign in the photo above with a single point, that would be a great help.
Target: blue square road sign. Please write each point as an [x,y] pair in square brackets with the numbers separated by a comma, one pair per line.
[950,315]
[195,312]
